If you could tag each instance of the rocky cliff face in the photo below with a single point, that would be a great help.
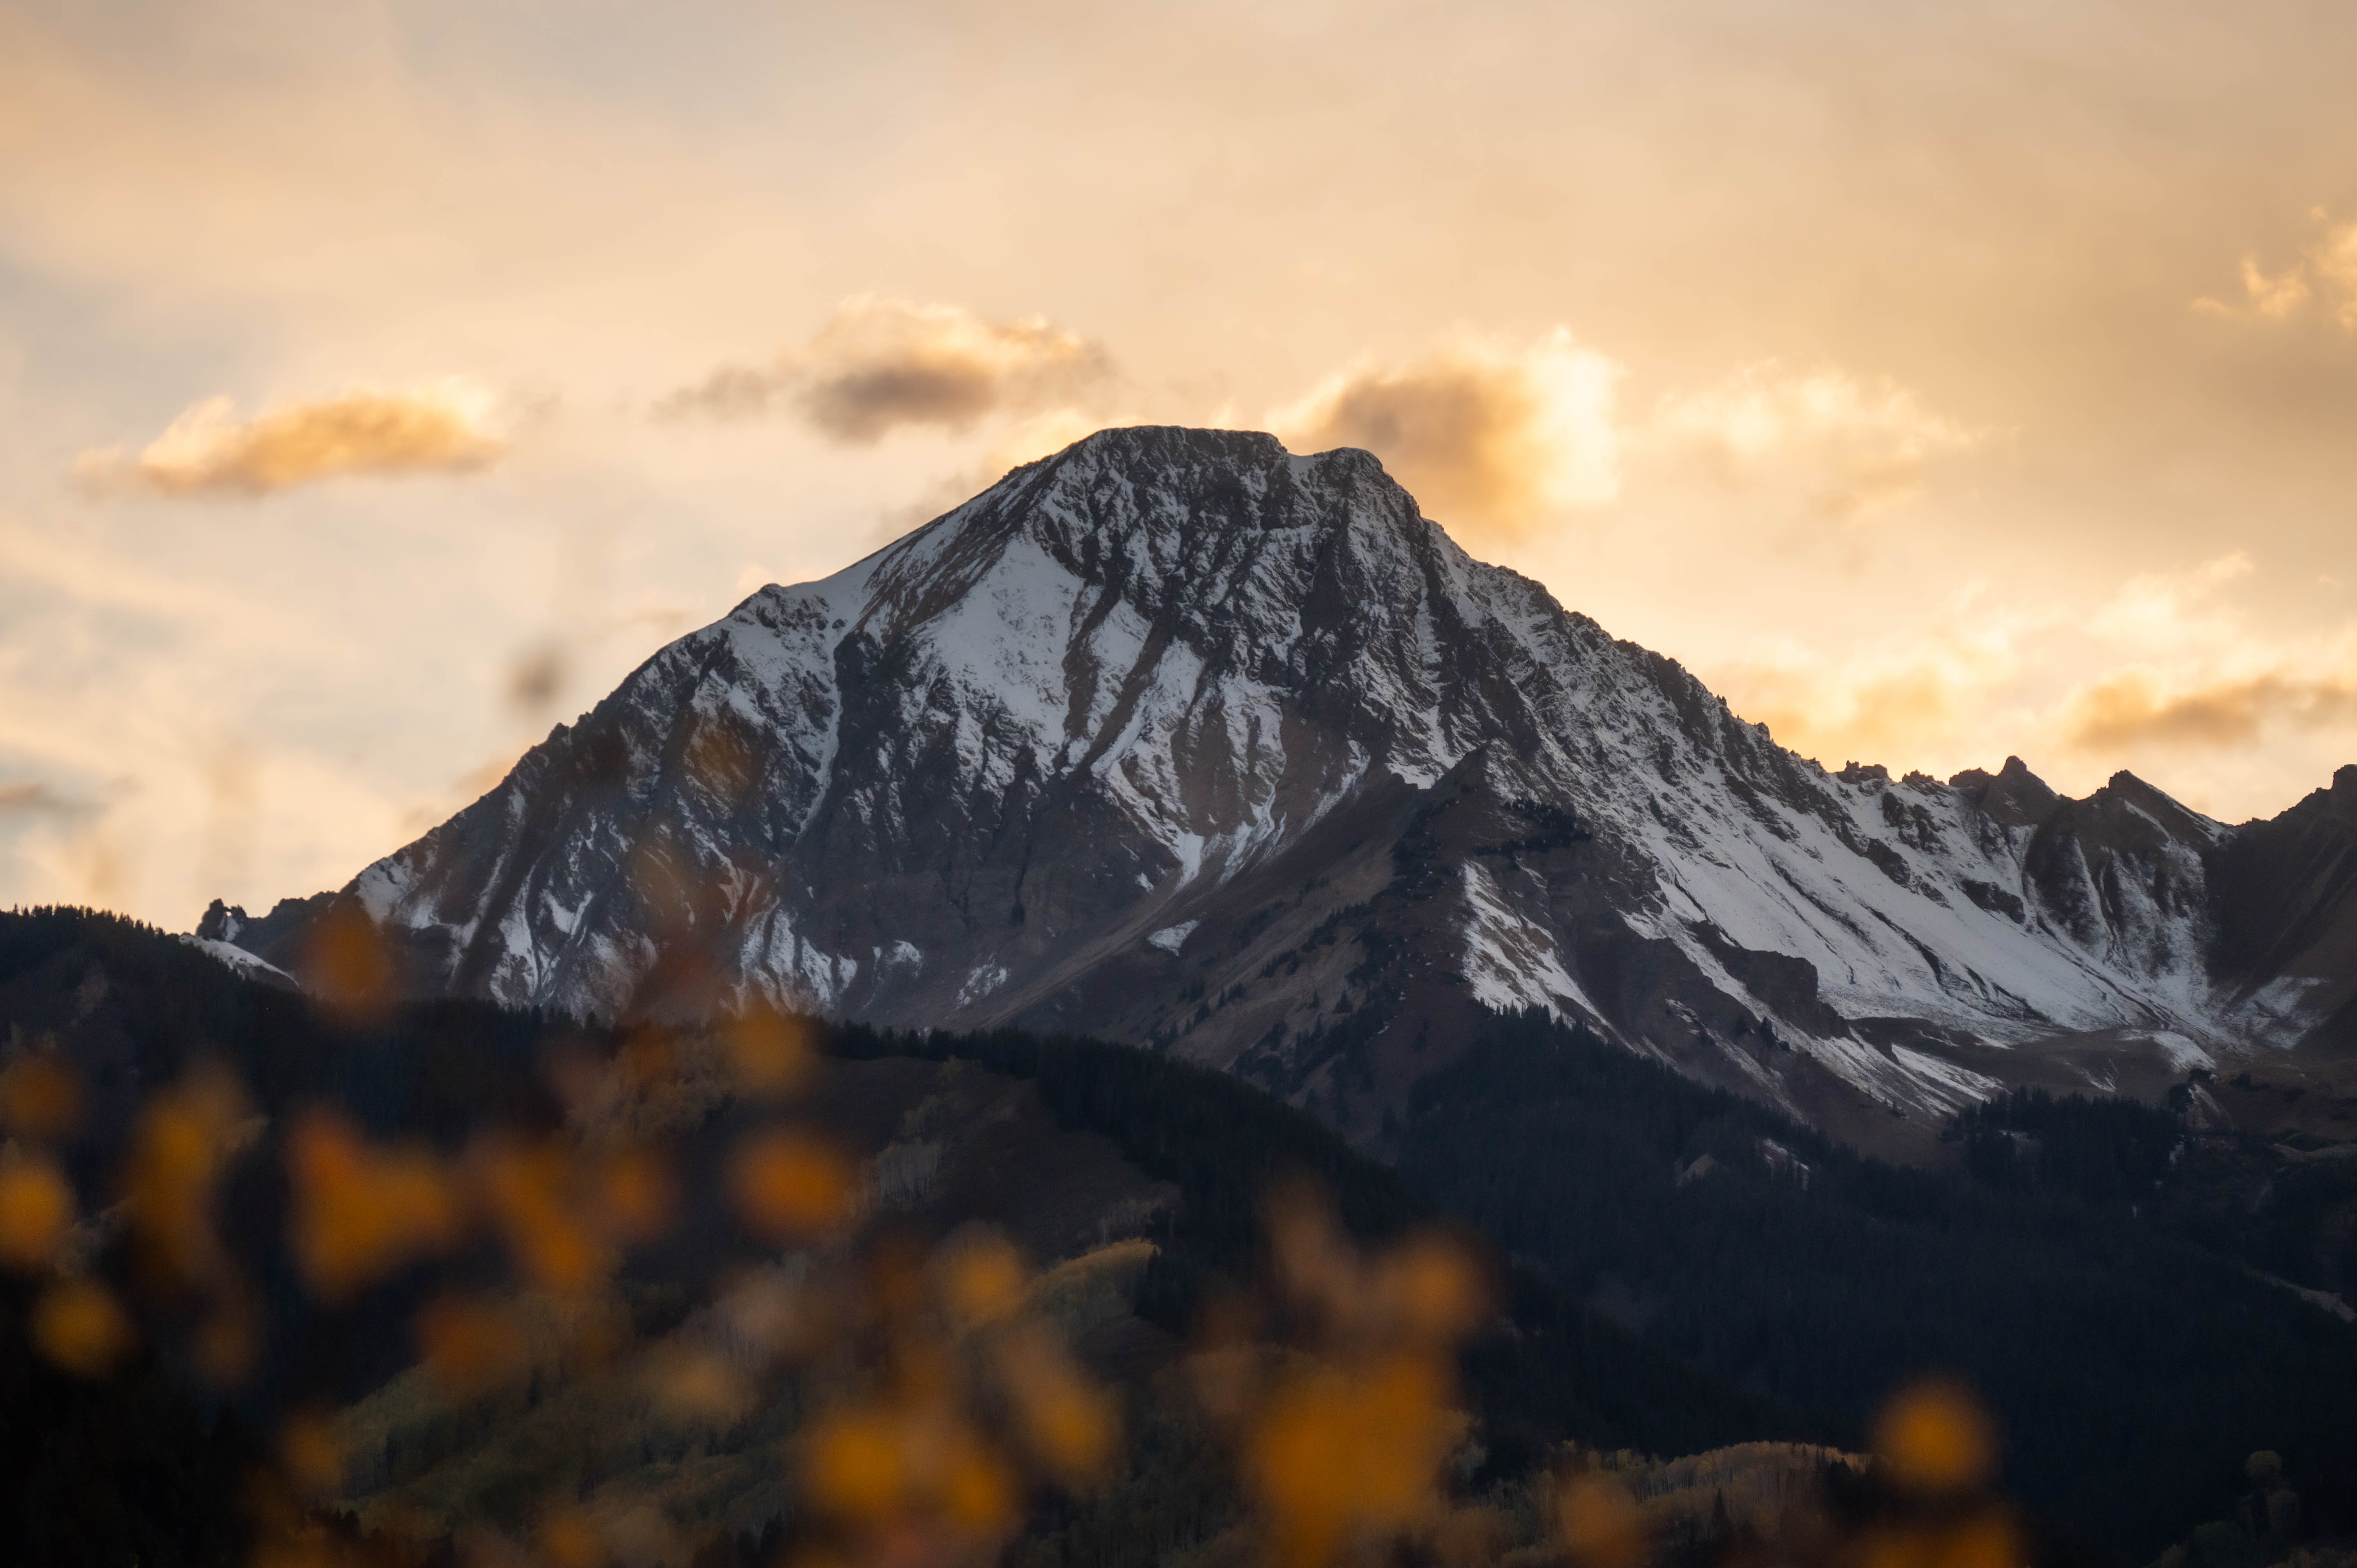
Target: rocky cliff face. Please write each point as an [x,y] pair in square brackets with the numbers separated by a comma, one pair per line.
[1177,737]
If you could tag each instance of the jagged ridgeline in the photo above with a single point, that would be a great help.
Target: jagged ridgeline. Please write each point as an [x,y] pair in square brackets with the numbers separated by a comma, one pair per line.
[1672,1245]
[1179,739]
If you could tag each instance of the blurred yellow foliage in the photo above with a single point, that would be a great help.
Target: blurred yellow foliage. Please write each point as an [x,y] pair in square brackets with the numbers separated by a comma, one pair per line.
[982,1277]
[79,1327]
[790,1186]
[1346,1451]
[360,1211]
[176,1159]
[1986,1539]
[568,1538]
[1600,1523]
[469,1346]
[633,1195]
[37,1212]
[907,1464]
[1333,1455]
[529,1189]
[311,1454]
[39,1097]
[769,1052]
[345,963]
[1066,1422]
[1935,1437]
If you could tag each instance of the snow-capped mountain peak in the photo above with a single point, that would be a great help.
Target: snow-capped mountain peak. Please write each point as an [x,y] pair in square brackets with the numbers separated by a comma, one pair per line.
[1180,737]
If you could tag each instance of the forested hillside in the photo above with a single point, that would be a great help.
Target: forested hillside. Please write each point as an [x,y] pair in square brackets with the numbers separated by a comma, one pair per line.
[1675,1269]
[2064,1271]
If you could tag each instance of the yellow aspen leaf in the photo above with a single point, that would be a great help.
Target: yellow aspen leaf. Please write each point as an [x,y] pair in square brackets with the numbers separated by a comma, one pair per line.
[789,1187]
[79,1327]
[769,1052]
[39,1097]
[468,1346]
[1935,1437]
[37,1213]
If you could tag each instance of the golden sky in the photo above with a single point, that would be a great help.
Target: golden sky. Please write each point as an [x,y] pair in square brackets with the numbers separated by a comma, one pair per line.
[1938,379]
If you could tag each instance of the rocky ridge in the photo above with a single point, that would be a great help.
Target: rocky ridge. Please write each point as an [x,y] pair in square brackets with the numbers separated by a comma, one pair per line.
[1183,739]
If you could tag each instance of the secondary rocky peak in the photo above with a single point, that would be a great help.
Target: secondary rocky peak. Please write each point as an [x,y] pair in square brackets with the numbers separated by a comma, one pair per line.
[2014,797]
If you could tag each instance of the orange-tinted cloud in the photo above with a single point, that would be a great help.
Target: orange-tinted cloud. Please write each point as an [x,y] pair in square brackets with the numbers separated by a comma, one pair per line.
[208,451]
[2329,261]
[1900,704]
[33,798]
[2134,708]
[1483,433]
[2334,259]
[1851,448]
[879,364]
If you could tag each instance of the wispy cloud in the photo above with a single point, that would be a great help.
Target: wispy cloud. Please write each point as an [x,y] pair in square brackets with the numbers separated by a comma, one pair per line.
[1484,432]
[2334,259]
[445,427]
[2328,262]
[1850,448]
[2138,707]
[879,364]
[32,798]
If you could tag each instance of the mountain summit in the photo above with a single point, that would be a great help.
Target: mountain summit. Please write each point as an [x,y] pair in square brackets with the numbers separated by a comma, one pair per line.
[1179,738]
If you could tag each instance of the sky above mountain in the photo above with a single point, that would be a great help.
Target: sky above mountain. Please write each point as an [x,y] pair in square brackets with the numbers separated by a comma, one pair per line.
[379,383]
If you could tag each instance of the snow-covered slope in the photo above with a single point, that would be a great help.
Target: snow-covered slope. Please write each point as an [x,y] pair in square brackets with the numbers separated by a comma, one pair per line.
[1182,738]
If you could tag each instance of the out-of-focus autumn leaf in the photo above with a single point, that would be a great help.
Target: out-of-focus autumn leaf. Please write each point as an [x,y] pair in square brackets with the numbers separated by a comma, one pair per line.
[633,1195]
[39,1097]
[854,1463]
[79,1327]
[1600,1523]
[311,1454]
[982,1277]
[528,1187]
[469,1346]
[346,963]
[1333,1455]
[1066,1422]
[647,1057]
[977,1489]
[1430,1290]
[568,1538]
[1935,1437]
[174,1167]
[225,1344]
[769,1052]
[692,1386]
[1983,1538]
[360,1211]
[880,1464]
[790,1186]
[37,1212]
[1315,1267]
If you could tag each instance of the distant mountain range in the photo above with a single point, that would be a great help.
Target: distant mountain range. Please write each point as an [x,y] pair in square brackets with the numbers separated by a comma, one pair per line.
[1180,739]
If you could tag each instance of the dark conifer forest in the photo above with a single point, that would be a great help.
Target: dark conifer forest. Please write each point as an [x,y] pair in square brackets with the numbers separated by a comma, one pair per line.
[1677,1269]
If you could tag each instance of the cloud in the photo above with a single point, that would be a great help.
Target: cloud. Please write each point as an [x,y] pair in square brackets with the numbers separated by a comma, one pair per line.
[879,364]
[2334,259]
[2277,296]
[2175,612]
[2139,707]
[1485,432]
[1913,701]
[2331,261]
[33,798]
[1851,448]
[445,427]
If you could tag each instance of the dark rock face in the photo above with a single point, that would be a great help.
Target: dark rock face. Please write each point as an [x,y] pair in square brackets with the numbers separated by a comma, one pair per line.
[1179,738]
